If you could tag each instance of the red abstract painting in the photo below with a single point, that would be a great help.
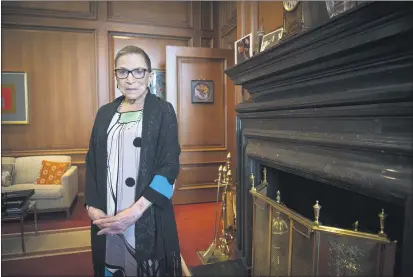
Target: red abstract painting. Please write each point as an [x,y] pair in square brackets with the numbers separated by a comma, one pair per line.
[8,99]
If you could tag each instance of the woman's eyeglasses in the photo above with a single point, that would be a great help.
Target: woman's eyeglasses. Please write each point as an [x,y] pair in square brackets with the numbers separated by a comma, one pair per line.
[137,73]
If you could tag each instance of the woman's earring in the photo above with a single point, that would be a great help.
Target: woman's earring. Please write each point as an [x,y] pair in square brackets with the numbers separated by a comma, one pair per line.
[117,85]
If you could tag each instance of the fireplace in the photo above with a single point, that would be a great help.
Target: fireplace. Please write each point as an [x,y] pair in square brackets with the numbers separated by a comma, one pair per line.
[329,116]
[295,236]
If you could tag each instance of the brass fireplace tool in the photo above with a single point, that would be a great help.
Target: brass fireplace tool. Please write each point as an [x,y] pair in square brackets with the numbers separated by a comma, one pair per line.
[220,248]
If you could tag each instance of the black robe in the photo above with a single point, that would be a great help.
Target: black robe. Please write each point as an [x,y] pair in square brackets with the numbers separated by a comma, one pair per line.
[155,232]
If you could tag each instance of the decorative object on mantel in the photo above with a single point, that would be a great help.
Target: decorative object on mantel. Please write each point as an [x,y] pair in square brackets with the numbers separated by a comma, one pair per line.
[336,7]
[303,15]
[284,243]
[244,48]
[260,35]
[202,91]
[221,247]
[271,39]
[158,86]
[14,98]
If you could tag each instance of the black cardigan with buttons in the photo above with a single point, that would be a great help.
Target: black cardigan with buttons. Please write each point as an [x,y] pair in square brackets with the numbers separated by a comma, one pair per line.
[155,232]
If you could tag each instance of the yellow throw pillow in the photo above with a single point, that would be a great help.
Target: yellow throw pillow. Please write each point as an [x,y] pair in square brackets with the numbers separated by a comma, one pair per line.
[52,172]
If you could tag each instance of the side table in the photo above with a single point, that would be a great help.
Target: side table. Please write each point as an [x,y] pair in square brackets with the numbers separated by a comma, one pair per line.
[21,217]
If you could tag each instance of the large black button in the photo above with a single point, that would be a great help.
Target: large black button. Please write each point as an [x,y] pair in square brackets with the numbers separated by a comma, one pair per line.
[130,182]
[137,142]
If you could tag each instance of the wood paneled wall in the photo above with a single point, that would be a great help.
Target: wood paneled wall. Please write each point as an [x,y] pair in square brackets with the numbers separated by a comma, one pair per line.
[206,131]
[67,49]
[227,22]
[270,13]
[250,14]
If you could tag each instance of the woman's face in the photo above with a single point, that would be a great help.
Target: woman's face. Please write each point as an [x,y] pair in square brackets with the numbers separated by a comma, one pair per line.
[136,82]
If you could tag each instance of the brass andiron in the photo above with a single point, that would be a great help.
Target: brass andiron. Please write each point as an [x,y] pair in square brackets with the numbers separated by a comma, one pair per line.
[317,209]
[356,226]
[382,217]
[220,248]
[265,177]
[264,182]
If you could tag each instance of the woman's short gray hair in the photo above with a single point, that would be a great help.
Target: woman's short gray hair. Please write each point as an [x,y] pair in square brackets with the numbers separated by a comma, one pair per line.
[131,49]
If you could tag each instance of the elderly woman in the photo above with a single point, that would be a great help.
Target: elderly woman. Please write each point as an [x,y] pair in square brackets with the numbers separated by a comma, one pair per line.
[131,166]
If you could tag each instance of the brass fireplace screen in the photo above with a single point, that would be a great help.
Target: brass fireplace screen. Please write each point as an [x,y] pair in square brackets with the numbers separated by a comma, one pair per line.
[285,243]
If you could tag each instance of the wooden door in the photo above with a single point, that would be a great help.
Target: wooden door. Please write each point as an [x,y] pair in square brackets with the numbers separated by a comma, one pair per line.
[206,130]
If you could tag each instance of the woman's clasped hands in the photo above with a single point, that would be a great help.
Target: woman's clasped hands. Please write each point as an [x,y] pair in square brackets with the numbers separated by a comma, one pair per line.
[113,225]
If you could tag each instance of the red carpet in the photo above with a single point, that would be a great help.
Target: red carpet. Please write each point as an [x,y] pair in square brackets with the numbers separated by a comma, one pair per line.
[195,228]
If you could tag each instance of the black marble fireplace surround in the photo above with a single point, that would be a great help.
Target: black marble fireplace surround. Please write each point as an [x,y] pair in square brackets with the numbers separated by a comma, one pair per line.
[330,115]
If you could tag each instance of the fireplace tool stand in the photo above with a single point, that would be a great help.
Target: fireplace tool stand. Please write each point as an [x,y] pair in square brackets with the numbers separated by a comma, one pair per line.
[220,248]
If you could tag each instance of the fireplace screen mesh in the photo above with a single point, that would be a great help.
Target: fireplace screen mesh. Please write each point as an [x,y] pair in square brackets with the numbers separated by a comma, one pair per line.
[302,251]
[288,244]
[261,229]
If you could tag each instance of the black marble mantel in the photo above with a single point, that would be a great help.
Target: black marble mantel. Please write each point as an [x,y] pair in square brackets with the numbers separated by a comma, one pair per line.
[333,104]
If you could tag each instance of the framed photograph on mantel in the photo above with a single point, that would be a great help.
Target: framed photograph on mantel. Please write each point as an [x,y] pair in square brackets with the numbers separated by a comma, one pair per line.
[243,48]
[202,91]
[14,98]
[271,39]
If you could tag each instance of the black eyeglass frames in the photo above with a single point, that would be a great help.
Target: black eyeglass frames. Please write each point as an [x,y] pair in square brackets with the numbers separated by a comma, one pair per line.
[137,73]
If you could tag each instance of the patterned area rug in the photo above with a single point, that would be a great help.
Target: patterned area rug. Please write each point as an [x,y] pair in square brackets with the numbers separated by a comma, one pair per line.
[51,243]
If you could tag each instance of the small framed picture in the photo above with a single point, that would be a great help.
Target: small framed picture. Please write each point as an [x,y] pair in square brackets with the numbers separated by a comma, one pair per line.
[243,48]
[14,98]
[271,39]
[202,91]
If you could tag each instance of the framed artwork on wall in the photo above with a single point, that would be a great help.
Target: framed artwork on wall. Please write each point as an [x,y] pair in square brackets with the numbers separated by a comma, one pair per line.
[202,91]
[243,48]
[14,98]
[158,85]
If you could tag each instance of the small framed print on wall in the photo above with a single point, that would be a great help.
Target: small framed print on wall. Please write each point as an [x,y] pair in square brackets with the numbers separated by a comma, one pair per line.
[202,91]
[14,98]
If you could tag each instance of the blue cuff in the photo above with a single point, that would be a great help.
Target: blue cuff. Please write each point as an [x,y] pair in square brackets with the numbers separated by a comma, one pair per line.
[161,185]
[108,273]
